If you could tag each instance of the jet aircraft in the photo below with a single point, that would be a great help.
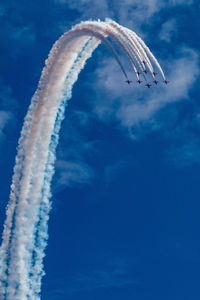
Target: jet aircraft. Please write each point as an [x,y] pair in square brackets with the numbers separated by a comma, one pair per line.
[139,81]
[148,85]
[165,81]
[155,81]
[128,81]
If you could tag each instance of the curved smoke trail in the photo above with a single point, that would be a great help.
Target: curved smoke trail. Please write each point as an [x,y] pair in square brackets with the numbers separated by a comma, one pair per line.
[25,230]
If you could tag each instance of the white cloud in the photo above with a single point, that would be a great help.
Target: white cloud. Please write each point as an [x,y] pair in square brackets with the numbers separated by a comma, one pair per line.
[88,8]
[72,173]
[133,105]
[8,106]
[168,30]
[181,2]
[5,117]
[130,13]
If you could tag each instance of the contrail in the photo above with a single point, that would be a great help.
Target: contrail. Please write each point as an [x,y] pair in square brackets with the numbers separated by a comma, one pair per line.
[133,49]
[25,231]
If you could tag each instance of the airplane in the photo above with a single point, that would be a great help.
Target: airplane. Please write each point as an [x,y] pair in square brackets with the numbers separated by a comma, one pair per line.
[144,62]
[155,81]
[148,85]
[128,81]
[139,81]
[154,73]
[145,71]
[165,81]
[138,73]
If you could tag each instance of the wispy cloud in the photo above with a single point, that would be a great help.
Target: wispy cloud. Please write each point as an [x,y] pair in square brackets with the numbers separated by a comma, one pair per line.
[8,108]
[23,34]
[187,153]
[72,174]
[139,110]
[128,12]
[16,33]
[116,273]
[168,30]
[135,105]
[5,117]
[71,167]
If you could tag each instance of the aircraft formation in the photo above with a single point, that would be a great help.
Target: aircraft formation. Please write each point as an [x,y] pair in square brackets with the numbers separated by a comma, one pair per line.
[145,72]
[25,232]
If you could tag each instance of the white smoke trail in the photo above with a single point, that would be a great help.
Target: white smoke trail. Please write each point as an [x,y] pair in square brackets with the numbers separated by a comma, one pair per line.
[135,51]
[148,52]
[25,230]
[123,44]
[42,228]
[141,47]
[32,185]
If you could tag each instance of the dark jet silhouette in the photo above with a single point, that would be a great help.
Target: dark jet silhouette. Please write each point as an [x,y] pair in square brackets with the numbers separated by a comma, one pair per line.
[138,73]
[145,71]
[154,73]
[148,85]
[155,81]
[128,81]
[165,81]
[144,62]
[139,81]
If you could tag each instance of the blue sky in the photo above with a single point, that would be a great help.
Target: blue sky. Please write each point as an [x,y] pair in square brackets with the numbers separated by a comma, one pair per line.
[125,217]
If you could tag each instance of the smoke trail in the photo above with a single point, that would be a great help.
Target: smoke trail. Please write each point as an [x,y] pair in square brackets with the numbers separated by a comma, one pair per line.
[136,53]
[133,34]
[32,188]
[45,206]
[25,230]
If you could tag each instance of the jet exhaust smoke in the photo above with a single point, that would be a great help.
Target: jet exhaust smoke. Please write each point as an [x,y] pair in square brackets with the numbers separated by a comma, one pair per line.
[25,231]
